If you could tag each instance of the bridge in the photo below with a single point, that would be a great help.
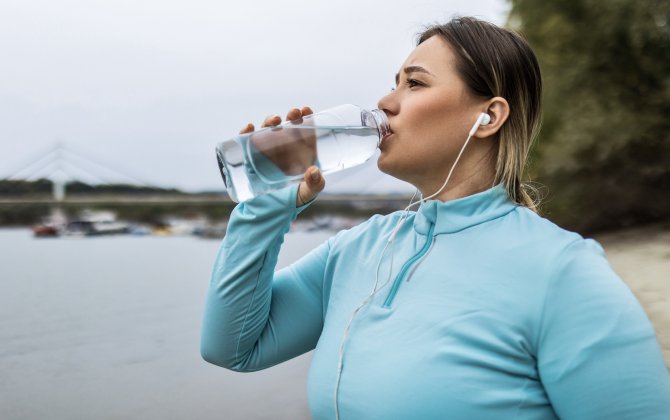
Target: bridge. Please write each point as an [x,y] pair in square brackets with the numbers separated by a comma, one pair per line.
[62,164]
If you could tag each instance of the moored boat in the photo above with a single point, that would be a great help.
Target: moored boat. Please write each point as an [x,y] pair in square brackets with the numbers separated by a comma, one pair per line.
[45,231]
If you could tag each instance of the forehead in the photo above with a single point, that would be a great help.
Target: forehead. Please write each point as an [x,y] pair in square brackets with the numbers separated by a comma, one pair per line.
[434,54]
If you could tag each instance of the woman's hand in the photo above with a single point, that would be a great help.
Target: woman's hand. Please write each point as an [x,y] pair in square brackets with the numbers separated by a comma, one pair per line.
[290,150]
[293,152]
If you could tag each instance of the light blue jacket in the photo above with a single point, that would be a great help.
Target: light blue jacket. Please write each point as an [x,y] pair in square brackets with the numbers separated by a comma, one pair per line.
[490,312]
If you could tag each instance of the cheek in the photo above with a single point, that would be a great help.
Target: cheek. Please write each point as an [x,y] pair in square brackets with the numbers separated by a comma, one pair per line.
[434,128]
[434,115]
[432,132]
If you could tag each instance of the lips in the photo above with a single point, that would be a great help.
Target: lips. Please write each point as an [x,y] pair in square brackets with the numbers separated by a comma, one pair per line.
[388,134]
[385,139]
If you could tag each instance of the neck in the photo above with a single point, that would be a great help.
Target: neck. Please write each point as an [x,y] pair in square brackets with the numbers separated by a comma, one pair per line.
[473,174]
[460,189]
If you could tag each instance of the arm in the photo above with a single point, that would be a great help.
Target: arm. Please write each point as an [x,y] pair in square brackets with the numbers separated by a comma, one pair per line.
[255,318]
[598,356]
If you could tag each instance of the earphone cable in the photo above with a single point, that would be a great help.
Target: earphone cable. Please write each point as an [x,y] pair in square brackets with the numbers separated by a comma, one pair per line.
[390,241]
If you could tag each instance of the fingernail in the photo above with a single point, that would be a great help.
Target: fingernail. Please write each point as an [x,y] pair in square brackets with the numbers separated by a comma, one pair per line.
[315,175]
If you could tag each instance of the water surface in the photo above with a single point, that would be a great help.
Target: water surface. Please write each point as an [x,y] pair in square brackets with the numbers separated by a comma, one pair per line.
[108,328]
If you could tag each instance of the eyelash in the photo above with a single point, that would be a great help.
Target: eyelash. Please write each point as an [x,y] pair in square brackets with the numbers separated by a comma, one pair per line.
[410,83]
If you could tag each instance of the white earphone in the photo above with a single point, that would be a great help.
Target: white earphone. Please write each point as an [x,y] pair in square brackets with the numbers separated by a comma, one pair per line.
[483,119]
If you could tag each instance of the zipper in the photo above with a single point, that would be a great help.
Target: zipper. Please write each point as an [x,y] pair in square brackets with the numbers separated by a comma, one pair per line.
[408,264]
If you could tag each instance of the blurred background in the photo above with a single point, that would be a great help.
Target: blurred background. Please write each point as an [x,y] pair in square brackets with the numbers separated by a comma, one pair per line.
[112,207]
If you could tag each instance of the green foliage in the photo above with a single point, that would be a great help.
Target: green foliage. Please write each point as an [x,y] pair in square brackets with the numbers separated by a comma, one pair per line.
[44,186]
[604,148]
[79,187]
[16,188]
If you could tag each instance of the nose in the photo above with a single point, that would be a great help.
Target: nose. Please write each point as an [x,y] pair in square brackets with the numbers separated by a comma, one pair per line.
[388,103]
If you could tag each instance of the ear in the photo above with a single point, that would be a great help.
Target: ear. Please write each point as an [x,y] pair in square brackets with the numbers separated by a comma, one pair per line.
[498,110]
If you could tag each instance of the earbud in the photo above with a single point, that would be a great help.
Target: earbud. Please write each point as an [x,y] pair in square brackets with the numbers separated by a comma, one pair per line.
[483,119]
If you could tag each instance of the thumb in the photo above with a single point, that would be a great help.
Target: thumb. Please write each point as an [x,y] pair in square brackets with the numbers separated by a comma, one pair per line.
[312,184]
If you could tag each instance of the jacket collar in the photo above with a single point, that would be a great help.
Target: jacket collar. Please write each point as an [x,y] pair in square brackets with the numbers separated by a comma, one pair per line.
[462,213]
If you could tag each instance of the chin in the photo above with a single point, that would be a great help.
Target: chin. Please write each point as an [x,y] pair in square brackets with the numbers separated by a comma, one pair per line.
[387,167]
[382,165]
[401,170]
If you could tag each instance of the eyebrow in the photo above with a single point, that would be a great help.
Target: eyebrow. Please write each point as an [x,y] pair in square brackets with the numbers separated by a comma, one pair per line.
[411,69]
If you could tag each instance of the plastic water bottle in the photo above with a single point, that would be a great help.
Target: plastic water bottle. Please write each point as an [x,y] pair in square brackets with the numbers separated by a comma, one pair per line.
[338,138]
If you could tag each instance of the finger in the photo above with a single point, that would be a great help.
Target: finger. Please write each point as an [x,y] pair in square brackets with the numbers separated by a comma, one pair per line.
[271,120]
[315,181]
[306,111]
[312,184]
[247,128]
[294,115]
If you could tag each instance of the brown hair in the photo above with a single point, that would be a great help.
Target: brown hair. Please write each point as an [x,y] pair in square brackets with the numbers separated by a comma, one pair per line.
[494,61]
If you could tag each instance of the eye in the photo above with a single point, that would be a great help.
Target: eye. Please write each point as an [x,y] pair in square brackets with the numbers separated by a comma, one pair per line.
[413,83]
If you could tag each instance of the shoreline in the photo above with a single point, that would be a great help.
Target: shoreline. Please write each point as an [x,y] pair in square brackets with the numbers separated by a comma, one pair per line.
[641,257]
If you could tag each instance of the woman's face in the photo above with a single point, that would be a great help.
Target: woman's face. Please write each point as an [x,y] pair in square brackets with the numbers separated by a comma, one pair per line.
[430,113]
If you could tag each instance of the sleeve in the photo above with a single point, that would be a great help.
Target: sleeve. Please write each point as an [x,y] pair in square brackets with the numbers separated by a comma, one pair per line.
[255,317]
[598,356]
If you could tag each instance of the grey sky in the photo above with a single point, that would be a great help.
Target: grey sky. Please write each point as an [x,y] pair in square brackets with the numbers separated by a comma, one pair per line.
[149,87]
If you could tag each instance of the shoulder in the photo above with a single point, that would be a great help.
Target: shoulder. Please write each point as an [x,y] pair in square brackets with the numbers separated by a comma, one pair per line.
[550,256]
[566,248]
[546,239]
[529,240]
[576,269]
[536,227]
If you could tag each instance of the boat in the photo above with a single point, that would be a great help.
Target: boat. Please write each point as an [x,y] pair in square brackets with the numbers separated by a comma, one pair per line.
[52,225]
[94,223]
[45,231]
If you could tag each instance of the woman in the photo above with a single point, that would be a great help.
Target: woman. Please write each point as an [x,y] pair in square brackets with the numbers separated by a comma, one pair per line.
[471,307]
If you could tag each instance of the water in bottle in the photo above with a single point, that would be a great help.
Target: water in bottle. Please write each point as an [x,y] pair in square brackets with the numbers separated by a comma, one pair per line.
[275,157]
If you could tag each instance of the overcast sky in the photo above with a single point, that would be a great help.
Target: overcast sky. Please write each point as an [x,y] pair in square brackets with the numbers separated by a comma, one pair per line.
[148,87]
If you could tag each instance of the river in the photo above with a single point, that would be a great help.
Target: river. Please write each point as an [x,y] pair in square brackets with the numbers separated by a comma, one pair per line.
[108,328]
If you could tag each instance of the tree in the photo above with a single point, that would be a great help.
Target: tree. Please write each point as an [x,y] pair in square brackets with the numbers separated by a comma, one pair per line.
[604,148]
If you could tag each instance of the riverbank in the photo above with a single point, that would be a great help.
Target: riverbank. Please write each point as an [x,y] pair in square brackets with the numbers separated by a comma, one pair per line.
[641,256]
